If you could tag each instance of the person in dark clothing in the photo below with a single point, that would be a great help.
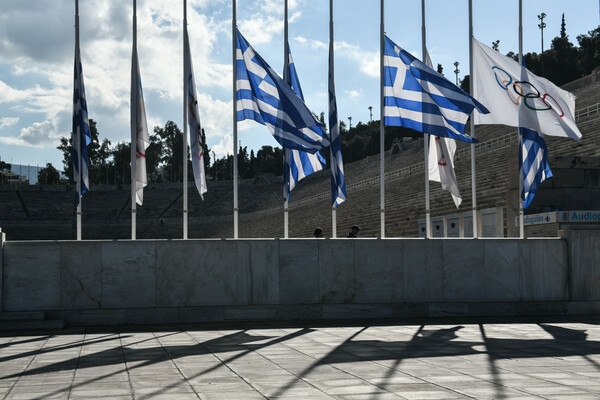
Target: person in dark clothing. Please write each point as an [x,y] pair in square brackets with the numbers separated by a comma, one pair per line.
[353,231]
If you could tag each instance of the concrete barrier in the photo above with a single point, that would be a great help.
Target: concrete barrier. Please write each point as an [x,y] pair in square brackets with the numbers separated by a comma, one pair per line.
[170,281]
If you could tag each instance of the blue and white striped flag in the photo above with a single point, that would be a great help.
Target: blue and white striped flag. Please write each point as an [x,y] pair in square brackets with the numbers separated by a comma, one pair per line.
[82,136]
[264,97]
[533,163]
[297,164]
[338,183]
[420,98]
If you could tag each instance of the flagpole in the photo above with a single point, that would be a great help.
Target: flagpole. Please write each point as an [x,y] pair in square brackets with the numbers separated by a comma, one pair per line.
[381,125]
[521,212]
[425,136]
[286,152]
[235,135]
[185,121]
[473,170]
[331,158]
[133,105]
[77,134]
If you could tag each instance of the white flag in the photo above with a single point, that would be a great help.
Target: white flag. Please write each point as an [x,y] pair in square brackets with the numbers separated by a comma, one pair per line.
[194,124]
[517,97]
[140,135]
[441,165]
[441,159]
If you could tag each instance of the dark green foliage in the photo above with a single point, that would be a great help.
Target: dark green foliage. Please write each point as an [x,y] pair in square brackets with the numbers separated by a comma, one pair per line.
[48,175]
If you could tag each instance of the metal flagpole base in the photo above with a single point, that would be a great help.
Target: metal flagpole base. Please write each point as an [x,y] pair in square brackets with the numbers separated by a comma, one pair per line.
[79,220]
[235,223]
[333,222]
[133,224]
[285,222]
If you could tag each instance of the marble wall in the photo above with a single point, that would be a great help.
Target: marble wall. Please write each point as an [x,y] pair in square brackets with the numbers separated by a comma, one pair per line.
[339,276]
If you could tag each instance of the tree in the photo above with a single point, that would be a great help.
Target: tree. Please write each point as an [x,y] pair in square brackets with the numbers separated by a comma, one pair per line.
[66,144]
[121,155]
[48,175]
[205,151]
[465,84]
[589,45]
[154,155]
[172,149]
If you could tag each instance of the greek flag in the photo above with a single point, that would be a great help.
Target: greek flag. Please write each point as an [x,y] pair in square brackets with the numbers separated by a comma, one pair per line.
[297,164]
[338,183]
[82,135]
[533,163]
[264,97]
[194,123]
[420,98]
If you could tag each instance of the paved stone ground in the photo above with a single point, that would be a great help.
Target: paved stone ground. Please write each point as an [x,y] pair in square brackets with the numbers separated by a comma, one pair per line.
[432,359]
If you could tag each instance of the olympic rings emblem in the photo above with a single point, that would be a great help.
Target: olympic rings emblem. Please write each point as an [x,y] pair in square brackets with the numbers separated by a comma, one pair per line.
[530,101]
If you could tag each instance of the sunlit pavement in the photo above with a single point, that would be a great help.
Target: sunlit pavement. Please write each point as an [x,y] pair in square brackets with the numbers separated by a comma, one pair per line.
[425,359]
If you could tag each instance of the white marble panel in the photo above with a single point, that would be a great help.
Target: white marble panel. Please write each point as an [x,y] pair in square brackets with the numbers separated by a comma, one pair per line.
[488,222]
[543,269]
[379,271]
[437,227]
[453,226]
[501,269]
[299,271]
[463,270]
[81,275]
[128,274]
[259,271]
[584,251]
[196,272]
[423,270]
[336,271]
[31,276]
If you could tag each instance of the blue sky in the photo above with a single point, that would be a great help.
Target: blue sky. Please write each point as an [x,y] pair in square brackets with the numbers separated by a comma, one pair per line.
[37,42]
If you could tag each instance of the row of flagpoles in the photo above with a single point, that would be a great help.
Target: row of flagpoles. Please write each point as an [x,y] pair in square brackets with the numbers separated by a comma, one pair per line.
[412,95]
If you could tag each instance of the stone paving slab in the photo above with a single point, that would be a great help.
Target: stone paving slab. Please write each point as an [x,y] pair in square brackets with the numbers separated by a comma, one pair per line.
[518,358]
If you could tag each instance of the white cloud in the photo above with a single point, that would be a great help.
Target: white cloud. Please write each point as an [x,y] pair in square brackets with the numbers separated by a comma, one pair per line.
[40,134]
[368,61]
[301,39]
[8,121]
[224,147]
[353,94]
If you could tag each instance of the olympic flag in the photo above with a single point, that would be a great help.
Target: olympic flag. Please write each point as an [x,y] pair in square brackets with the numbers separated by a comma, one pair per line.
[139,132]
[441,159]
[194,123]
[517,97]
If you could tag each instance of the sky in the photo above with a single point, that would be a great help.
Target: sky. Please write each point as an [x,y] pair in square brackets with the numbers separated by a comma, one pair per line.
[37,47]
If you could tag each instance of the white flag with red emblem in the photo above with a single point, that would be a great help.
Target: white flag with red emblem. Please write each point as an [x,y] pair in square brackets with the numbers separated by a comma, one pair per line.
[196,147]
